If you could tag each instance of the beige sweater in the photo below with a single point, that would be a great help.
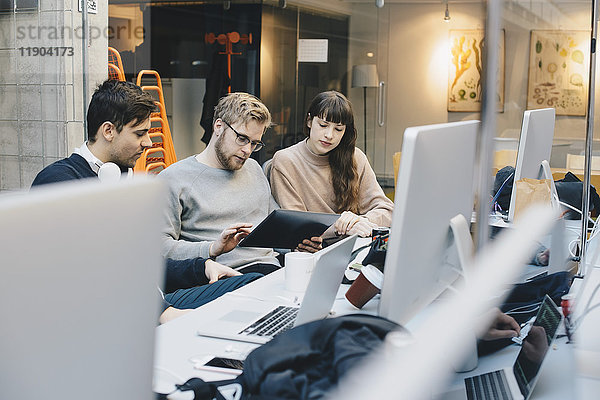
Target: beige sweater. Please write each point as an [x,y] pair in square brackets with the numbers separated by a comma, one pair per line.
[301,180]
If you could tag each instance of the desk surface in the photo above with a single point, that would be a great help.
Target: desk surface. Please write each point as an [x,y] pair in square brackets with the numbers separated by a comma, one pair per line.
[177,342]
[556,381]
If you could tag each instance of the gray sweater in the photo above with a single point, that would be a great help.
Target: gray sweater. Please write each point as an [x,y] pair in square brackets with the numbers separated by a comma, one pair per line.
[203,201]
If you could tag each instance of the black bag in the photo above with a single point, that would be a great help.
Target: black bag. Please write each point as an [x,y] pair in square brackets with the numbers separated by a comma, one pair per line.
[503,184]
[375,256]
[377,252]
[570,189]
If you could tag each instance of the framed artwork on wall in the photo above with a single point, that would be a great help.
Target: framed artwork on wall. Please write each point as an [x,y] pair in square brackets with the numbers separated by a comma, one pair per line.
[558,71]
[464,71]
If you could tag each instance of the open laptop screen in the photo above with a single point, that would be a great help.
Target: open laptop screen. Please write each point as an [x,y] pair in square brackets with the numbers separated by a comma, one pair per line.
[535,346]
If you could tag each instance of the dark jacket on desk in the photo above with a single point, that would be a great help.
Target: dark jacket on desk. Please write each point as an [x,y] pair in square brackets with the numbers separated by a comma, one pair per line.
[307,361]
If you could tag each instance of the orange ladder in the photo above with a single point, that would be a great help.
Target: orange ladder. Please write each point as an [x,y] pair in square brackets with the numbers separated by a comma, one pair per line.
[115,65]
[162,152]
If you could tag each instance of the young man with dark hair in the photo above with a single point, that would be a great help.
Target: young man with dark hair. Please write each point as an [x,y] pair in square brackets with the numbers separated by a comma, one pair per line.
[118,121]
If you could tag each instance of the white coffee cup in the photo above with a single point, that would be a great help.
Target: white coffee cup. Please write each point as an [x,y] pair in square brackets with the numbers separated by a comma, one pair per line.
[298,268]
[470,358]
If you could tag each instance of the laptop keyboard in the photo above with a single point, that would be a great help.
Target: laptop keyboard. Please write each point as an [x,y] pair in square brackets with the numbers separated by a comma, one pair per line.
[279,320]
[490,386]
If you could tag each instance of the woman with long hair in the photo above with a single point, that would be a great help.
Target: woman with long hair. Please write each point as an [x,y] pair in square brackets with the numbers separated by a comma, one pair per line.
[327,173]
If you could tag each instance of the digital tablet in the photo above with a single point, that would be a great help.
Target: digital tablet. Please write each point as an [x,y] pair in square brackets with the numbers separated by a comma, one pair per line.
[285,229]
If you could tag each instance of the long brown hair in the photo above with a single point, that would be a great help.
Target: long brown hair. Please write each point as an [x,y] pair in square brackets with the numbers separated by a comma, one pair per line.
[334,107]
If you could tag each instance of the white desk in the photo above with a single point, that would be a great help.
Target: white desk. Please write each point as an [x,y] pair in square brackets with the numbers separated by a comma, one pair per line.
[587,350]
[177,341]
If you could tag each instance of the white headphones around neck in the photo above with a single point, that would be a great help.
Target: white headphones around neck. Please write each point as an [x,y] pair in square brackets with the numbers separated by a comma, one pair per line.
[109,172]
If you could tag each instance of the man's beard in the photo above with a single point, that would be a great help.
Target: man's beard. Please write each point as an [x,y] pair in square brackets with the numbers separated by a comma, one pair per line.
[223,159]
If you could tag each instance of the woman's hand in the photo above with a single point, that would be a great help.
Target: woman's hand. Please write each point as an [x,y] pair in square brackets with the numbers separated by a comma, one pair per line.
[363,228]
[349,224]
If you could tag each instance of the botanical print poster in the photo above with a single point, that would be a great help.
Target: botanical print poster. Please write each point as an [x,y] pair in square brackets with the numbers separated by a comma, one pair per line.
[464,71]
[558,71]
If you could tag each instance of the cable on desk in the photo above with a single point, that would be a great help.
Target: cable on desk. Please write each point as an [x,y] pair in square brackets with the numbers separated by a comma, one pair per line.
[562,203]
[527,308]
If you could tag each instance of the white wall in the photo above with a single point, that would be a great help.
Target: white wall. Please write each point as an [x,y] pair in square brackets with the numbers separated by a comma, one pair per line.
[41,97]
[417,70]
[416,67]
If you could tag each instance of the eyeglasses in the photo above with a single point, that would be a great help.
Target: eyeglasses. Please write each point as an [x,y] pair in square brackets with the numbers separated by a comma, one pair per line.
[243,140]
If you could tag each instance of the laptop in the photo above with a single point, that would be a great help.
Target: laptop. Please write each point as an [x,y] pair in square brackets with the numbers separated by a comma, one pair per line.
[258,321]
[79,265]
[518,382]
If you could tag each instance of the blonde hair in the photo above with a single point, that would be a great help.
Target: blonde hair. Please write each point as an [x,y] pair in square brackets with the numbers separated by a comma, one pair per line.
[242,107]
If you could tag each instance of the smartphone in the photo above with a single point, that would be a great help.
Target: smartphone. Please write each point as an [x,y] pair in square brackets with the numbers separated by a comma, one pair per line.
[221,364]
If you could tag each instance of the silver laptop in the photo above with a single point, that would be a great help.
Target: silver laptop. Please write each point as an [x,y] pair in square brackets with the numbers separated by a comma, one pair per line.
[258,321]
[518,382]
[79,265]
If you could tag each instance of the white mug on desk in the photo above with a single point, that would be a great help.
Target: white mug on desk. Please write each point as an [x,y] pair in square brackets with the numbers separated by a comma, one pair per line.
[298,268]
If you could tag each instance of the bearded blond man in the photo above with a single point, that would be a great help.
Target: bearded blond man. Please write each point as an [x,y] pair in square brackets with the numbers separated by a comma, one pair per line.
[219,194]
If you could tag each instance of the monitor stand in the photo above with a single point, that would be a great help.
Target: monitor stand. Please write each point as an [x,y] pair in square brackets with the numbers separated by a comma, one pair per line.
[547,173]
[463,242]
[464,247]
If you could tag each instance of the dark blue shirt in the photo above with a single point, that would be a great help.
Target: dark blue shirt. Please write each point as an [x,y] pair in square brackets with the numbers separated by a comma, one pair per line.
[74,167]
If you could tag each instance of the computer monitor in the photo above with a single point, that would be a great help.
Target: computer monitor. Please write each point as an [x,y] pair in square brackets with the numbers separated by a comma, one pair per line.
[435,183]
[79,267]
[535,146]
[426,357]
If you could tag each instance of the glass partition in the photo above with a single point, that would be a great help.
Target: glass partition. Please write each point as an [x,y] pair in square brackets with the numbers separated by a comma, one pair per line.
[424,65]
